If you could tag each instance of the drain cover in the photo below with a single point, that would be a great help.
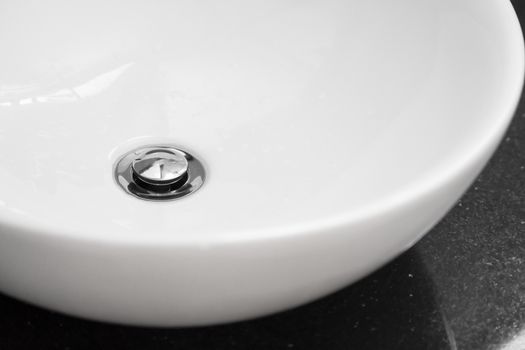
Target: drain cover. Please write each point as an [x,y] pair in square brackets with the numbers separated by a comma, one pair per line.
[159,172]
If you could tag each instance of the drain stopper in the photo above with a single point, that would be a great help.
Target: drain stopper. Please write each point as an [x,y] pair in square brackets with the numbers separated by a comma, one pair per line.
[160,169]
[159,172]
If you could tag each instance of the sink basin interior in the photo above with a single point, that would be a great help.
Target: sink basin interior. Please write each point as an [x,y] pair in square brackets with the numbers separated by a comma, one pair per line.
[304,113]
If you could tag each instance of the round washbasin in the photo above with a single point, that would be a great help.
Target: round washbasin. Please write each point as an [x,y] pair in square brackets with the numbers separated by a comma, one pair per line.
[274,151]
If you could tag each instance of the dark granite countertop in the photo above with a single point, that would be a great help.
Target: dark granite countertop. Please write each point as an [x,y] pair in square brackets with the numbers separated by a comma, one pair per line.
[461,287]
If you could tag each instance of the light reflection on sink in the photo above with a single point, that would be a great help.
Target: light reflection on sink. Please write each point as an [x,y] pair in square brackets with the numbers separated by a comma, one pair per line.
[34,94]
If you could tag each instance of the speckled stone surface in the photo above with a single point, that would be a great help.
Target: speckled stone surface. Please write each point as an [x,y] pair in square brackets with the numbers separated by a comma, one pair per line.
[461,287]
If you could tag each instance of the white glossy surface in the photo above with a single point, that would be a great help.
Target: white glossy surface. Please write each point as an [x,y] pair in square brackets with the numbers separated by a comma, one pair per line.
[335,133]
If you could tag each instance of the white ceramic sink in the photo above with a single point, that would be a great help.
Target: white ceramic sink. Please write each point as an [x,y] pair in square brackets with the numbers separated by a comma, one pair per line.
[333,134]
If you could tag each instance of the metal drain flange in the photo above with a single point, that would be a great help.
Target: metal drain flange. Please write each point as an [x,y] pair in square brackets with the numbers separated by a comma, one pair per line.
[159,172]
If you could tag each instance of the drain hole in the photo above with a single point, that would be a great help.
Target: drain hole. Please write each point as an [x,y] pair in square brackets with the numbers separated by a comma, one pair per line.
[159,188]
[159,172]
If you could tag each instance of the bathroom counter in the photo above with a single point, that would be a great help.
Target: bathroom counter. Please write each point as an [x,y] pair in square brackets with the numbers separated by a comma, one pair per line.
[461,287]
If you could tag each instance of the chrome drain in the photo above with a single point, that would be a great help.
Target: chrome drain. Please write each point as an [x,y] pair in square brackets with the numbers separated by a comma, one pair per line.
[159,172]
